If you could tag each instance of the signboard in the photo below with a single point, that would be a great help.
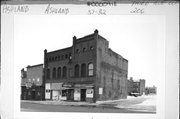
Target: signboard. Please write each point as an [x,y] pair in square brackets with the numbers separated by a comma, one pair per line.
[56,86]
[89,93]
[48,86]
[100,91]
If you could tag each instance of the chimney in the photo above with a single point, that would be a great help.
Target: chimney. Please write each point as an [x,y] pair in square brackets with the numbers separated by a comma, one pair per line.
[74,39]
[96,31]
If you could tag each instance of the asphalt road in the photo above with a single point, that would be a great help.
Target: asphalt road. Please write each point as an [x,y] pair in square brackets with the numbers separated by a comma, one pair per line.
[31,107]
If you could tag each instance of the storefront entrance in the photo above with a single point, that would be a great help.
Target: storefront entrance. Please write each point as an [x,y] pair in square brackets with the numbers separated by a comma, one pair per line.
[33,94]
[70,94]
[83,94]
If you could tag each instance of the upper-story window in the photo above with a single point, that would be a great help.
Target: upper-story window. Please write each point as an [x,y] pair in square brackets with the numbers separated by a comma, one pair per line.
[66,56]
[59,72]
[77,51]
[54,73]
[91,48]
[58,57]
[48,74]
[84,49]
[70,56]
[83,70]
[52,58]
[76,70]
[64,72]
[90,69]
[62,57]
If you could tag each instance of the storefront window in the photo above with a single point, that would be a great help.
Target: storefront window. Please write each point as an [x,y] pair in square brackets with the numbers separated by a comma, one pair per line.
[64,92]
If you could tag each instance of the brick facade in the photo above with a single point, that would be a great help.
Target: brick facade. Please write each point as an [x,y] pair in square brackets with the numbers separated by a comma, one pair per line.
[87,71]
[32,84]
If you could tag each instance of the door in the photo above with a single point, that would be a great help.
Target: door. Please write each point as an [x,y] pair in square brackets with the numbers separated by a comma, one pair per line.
[70,94]
[83,94]
[33,93]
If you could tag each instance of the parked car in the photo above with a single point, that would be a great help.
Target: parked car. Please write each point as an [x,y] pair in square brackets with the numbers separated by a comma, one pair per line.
[134,94]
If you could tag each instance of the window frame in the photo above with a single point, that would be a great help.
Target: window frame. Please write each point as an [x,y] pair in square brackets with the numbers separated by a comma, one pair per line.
[90,69]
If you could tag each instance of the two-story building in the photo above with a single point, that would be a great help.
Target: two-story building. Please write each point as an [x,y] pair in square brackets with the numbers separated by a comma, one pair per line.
[87,71]
[32,83]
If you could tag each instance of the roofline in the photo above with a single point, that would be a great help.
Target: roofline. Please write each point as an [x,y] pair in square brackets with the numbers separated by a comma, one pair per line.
[60,50]
[34,66]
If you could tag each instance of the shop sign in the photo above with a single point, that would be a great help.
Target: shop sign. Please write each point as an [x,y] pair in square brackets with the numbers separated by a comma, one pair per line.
[48,86]
[100,91]
[89,93]
[67,85]
[56,86]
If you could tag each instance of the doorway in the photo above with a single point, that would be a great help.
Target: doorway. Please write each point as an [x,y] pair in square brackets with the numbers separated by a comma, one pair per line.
[33,93]
[83,94]
[70,94]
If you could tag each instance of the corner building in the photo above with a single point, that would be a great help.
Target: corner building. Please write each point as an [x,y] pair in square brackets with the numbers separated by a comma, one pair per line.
[87,71]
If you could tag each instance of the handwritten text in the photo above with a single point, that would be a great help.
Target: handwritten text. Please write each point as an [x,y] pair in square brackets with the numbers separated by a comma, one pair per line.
[54,10]
[15,9]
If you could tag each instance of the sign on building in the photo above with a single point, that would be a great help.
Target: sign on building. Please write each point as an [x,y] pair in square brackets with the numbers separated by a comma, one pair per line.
[89,93]
[100,91]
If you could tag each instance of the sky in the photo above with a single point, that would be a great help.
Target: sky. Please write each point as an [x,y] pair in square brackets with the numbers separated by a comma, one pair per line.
[133,37]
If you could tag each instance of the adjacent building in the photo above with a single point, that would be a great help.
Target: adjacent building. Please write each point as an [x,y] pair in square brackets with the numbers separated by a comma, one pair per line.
[32,84]
[87,71]
[137,86]
[150,90]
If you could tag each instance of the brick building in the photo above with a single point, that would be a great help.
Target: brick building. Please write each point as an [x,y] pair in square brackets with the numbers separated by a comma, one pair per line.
[32,84]
[136,86]
[87,71]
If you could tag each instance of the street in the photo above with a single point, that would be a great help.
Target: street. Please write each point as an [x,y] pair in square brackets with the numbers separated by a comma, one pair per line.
[129,105]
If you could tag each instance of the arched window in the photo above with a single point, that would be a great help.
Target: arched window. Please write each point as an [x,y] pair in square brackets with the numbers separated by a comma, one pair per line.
[48,74]
[76,70]
[64,72]
[59,72]
[54,73]
[83,70]
[90,69]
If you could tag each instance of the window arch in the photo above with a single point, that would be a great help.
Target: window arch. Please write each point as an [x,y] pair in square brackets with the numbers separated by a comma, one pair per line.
[83,70]
[64,71]
[48,74]
[90,69]
[54,73]
[76,70]
[59,72]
